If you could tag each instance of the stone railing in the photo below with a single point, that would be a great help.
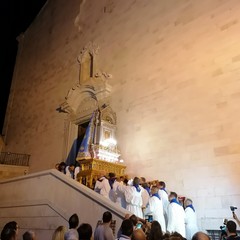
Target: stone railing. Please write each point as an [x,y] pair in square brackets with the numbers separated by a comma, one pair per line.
[45,200]
[17,159]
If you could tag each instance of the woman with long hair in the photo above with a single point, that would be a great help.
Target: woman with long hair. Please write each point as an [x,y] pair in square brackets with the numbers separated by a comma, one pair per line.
[59,233]
[155,232]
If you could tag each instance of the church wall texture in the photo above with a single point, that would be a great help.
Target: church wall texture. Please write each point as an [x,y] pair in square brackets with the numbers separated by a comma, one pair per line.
[176,90]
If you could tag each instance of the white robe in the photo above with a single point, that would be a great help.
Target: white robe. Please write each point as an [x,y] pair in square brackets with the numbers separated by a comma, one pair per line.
[145,196]
[119,189]
[134,201]
[191,223]
[68,173]
[165,202]
[76,171]
[103,187]
[176,219]
[155,208]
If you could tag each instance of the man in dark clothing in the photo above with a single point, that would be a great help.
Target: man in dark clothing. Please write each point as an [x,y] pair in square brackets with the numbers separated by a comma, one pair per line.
[232,231]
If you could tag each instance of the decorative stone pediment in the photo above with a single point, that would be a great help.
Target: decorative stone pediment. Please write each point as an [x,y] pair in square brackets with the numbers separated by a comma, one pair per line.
[91,91]
[108,115]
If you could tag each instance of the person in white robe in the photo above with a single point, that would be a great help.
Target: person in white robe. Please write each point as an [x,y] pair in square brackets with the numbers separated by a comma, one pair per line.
[119,188]
[190,220]
[112,194]
[102,186]
[76,172]
[176,216]
[164,196]
[155,208]
[133,196]
[145,194]
[70,171]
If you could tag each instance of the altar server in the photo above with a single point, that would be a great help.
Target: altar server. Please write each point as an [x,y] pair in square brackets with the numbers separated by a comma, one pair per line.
[145,194]
[133,196]
[164,196]
[191,219]
[176,216]
[119,187]
[102,185]
[155,208]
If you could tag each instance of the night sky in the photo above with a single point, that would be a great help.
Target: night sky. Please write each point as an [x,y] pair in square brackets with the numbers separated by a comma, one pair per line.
[16,16]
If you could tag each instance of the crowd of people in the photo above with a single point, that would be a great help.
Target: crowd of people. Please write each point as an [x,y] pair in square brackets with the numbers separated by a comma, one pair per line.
[155,213]
[71,170]
[132,228]
[152,201]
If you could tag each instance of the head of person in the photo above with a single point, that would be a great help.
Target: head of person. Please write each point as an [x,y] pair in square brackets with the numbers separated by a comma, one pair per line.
[62,166]
[134,219]
[176,236]
[136,181]
[138,234]
[29,235]
[57,166]
[200,236]
[71,234]
[12,225]
[231,228]
[142,180]
[107,217]
[8,234]
[59,233]
[161,184]
[172,196]
[154,189]
[85,231]
[111,175]
[127,227]
[188,202]
[156,231]
[125,181]
[145,185]
[71,167]
[73,221]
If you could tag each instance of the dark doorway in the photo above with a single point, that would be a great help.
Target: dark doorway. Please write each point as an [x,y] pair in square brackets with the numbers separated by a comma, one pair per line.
[81,133]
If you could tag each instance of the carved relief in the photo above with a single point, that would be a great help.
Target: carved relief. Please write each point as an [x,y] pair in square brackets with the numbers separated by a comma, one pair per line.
[91,91]
[108,115]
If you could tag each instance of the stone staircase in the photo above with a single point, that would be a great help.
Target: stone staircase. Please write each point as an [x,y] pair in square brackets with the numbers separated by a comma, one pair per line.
[43,201]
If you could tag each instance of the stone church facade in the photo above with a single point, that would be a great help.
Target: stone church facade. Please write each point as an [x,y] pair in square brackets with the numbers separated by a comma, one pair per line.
[169,69]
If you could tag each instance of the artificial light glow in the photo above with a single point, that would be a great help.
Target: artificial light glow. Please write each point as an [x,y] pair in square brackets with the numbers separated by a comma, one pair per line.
[108,142]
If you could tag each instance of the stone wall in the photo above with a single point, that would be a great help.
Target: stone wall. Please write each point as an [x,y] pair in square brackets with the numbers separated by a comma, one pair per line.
[176,90]
[10,171]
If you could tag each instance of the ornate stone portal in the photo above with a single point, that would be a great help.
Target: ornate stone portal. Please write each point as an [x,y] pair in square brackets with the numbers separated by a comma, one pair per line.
[87,101]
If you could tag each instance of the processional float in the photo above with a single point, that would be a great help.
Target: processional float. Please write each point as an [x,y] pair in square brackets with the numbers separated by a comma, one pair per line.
[99,151]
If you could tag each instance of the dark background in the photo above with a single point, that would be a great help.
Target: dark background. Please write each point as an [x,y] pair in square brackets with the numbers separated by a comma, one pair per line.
[16,16]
